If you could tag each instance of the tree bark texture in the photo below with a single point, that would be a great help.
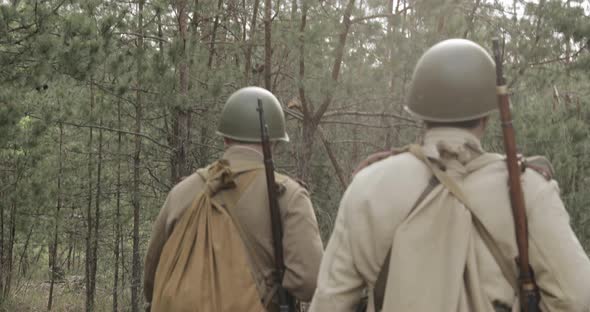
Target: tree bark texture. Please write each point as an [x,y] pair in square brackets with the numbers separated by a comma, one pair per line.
[136,196]
[97,201]
[56,221]
[117,226]
[312,119]
[90,285]
[250,43]
[267,44]
[181,118]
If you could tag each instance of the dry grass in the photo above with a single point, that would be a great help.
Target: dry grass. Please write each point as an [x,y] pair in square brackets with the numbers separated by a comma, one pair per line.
[68,297]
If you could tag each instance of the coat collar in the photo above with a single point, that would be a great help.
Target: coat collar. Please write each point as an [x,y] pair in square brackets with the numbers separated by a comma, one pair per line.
[243,153]
[462,144]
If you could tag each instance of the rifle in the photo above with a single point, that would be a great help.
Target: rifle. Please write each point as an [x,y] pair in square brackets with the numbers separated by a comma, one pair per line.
[527,287]
[286,302]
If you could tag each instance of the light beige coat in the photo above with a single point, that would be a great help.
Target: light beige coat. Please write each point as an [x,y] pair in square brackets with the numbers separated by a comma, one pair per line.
[378,202]
[302,244]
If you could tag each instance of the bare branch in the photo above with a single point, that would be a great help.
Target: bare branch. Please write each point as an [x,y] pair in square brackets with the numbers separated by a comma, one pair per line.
[338,57]
[105,128]
[351,123]
[536,41]
[337,168]
[304,104]
[142,35]
[384,15]
[471,19]
[559,59]
[166,186]
[326,144]
[368,114]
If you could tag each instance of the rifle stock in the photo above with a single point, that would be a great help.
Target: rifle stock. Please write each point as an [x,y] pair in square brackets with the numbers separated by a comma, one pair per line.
[528,293]
[286,302]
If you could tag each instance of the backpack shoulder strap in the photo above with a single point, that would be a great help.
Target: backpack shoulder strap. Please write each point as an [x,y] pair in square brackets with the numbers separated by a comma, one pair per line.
[229,200]
[381,283]
[487,238]
[438,177]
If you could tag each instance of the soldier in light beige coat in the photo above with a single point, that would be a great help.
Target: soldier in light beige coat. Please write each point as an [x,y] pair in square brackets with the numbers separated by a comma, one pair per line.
[439,260]
[302,245]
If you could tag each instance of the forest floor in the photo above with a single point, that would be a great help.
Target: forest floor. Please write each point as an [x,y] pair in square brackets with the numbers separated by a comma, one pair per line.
[68,296]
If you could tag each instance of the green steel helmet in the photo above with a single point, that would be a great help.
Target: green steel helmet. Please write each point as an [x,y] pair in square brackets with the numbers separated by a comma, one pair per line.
[240,120]
[454,80]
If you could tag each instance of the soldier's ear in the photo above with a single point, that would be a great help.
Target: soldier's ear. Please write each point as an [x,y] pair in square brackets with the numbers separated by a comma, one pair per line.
[227,142]
[480,129]
[484,122]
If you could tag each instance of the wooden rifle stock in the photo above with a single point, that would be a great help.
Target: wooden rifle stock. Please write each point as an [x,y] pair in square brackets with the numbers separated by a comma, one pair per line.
[286,302]
[527,292]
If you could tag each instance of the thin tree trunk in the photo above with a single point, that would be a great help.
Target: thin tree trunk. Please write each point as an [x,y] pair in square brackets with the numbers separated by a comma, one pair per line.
[306,108]
[471,19]
[338,59]
[307,141]
[250,44]
[2,262]
[89,256]
[123,262]
[341,178]
[392,66]
[214,33]
[70,252]
[267,44]
[12,231]
[97,210]
[355,147]
[312,119]
[181,119]
[23,262]
[117,215]
[11,243]
[136,197]
[56,229]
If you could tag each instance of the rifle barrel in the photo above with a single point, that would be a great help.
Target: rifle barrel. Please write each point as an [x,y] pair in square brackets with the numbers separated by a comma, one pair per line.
[526,280]
[285,302]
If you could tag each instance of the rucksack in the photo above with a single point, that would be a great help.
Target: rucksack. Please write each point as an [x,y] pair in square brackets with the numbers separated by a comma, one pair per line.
[204,265]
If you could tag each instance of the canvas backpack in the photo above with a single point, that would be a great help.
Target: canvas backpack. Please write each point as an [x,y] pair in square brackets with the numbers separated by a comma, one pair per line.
[204,265]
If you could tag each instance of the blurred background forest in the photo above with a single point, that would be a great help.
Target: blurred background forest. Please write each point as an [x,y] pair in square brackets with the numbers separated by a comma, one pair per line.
[105,105]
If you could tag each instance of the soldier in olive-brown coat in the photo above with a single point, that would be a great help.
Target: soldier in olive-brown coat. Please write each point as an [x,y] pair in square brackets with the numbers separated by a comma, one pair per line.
[302,245]
[440,257]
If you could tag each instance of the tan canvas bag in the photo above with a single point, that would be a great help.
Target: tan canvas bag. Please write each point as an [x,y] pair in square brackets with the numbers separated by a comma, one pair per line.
[204,265]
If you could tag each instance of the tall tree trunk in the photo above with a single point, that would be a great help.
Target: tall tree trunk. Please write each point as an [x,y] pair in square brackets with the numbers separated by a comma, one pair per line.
[12,231]
[2,262]
[304,154]
[388,142]
[11,243]
[306,149]
[124,277]
[97,210]
[267,44]
[250,44]
[117,214]
[136,197]
[89,256]
[312,119]
[181,117]
[214,33]
[57,210]
[471,19]
[23,260]
[70,252]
